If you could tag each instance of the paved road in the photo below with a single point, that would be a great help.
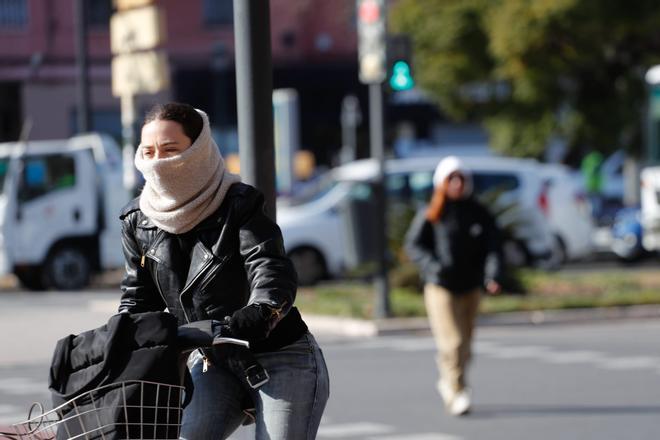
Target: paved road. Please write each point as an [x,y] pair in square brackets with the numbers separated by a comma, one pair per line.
[591,381]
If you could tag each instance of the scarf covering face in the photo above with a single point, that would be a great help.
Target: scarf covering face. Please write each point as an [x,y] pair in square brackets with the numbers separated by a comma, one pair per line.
[182,190]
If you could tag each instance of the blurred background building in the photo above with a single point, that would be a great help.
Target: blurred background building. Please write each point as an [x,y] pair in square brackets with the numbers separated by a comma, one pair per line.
[314,49]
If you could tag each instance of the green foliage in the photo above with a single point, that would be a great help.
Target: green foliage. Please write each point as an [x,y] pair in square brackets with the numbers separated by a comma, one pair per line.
[534,69]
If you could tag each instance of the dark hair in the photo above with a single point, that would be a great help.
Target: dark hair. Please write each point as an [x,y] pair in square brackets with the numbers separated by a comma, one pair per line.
[184,114]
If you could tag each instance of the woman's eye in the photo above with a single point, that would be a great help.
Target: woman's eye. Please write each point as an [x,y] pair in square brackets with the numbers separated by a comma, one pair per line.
[147,153]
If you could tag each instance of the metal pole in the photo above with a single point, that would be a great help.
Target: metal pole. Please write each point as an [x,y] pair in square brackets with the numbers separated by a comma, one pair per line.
[254,96]
[81,62]
[128,117]
[350,119]
[376,131]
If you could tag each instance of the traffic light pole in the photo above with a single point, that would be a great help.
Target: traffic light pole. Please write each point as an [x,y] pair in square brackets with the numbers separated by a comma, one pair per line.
[376,131]
[81,56]
[254,97]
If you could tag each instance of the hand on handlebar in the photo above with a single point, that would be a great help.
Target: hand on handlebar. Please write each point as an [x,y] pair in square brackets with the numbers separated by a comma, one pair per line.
[206,333]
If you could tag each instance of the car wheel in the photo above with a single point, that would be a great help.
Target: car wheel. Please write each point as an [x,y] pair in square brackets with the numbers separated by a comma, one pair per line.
[67,268]
[627,248]
[559,254]
[515,253]
[31,278]
[309,264]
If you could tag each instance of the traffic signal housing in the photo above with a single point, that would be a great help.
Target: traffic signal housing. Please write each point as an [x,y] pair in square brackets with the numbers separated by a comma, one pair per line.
[399,63]
[371,41]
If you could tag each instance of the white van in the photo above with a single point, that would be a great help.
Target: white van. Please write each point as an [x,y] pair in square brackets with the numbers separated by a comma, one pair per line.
[59,203]
[650,208]
[314,225]
[566,207]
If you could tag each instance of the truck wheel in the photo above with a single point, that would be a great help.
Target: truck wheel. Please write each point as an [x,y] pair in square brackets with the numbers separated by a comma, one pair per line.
[309,264]
[67,268]
[31,278]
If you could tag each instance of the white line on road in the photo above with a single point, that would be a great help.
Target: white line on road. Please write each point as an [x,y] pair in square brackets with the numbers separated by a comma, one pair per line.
[426,436]
[22,386]
[10,414]
[574,357]
[353,430]
[630,363]
[523,351]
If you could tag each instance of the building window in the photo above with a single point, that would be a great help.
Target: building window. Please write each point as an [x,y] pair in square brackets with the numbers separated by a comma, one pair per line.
[13,13]
[99,12]
[218,12]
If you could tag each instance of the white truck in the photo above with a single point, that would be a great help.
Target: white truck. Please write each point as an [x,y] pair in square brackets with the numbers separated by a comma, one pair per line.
[59,207]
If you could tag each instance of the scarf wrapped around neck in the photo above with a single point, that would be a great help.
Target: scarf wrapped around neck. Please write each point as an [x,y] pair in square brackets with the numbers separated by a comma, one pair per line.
[182,190]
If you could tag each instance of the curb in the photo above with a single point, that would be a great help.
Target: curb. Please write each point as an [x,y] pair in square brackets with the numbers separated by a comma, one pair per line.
[330,326]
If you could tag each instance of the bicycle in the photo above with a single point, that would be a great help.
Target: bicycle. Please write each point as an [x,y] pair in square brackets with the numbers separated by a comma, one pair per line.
[144,409]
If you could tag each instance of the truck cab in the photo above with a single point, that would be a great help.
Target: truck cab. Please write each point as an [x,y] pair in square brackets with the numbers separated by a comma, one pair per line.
[59,202]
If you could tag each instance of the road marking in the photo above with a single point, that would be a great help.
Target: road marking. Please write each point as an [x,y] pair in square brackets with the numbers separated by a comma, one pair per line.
[19,386]
[354,430]
[574,357]
[630,363]
[537,352]
[523,351]
[10,414]
[426,436]
[414,345]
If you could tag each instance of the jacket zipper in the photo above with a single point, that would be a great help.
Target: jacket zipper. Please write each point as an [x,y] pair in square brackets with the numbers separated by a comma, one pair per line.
[146,253]
[205,359]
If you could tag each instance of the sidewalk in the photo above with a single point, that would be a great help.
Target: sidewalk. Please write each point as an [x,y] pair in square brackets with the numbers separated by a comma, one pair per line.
[357,328]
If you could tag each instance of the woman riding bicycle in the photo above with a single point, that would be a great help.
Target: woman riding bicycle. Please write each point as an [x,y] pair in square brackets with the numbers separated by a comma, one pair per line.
[197,242]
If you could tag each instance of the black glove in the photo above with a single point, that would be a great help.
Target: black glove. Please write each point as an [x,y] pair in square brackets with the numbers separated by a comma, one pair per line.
[251,322]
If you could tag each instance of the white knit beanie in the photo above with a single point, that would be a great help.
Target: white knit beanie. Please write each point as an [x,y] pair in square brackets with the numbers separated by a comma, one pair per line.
[452,164]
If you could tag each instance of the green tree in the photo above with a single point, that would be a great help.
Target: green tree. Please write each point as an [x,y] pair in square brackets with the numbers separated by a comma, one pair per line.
[534,69]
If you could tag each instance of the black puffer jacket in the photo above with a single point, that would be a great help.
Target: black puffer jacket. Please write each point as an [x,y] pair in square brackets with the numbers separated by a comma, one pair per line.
[461,251]
[232,259]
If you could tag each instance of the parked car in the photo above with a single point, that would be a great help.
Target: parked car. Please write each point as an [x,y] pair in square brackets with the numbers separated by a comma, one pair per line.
[565,206]
[316,226]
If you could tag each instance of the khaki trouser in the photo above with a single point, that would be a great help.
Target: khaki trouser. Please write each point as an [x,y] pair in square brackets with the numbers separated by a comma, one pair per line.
[452,319]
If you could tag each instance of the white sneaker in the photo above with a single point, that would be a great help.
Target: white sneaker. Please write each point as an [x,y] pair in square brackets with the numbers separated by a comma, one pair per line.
[460,404]
[446,392]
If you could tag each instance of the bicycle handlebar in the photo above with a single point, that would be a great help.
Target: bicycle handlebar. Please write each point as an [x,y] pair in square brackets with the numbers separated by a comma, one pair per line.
[204,334]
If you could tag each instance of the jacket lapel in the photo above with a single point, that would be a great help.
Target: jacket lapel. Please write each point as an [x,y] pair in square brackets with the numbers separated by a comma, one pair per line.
[200,260]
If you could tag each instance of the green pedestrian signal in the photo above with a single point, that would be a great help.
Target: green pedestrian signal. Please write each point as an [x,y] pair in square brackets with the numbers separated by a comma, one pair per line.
[401,78]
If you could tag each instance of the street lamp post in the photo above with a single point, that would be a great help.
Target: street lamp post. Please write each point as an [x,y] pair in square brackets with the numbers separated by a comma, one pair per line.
[81,57]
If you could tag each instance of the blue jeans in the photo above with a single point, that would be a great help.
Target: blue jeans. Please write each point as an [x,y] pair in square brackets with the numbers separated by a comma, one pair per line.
[288,406]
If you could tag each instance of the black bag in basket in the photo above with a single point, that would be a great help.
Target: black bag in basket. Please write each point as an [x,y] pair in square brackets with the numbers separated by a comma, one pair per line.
[97,370]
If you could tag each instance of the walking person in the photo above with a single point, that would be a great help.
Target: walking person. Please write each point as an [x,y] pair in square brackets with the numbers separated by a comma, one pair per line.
[455,243]
[197,242]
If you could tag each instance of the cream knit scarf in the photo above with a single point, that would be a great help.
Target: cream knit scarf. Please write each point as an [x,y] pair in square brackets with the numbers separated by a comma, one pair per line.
[182,190]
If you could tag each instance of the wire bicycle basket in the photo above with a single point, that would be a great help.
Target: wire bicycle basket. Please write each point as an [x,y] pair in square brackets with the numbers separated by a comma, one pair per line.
[132,409]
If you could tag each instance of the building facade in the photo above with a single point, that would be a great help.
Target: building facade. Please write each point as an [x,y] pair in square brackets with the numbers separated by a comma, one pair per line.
[313,50]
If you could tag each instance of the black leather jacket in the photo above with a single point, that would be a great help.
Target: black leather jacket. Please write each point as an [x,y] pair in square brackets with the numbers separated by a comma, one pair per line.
[232,259]
[460,252]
